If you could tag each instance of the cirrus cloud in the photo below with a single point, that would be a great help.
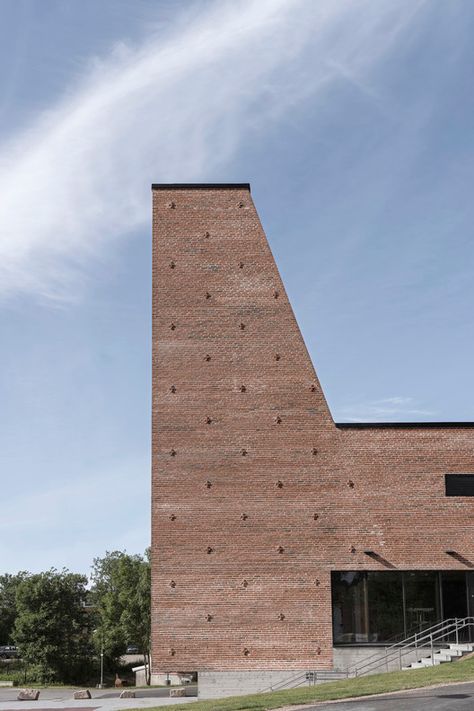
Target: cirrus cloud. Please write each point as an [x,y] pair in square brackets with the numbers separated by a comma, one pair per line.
[175,108]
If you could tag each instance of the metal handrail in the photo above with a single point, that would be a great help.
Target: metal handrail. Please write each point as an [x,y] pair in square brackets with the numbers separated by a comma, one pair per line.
[406,640]
[427,638]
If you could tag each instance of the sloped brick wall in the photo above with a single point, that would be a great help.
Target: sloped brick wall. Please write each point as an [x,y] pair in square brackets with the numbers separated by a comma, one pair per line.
[257,494]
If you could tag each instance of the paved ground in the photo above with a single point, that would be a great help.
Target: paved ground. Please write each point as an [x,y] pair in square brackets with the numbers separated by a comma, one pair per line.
[106,699]
[454,697]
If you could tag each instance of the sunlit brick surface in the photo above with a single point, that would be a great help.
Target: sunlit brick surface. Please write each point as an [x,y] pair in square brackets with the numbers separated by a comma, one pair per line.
[257,495]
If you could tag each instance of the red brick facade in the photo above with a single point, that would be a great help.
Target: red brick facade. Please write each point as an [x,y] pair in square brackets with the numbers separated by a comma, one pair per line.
[257,494]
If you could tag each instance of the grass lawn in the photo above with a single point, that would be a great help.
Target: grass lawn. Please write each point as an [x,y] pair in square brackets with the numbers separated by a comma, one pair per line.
[462,670]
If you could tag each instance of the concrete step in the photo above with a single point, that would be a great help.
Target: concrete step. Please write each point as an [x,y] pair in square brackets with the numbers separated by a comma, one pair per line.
[462,647]
[444,657]
[455,652]
[416,665]
[428,661]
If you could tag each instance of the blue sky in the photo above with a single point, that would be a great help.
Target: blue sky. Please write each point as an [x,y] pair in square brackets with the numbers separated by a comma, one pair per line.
[353,122]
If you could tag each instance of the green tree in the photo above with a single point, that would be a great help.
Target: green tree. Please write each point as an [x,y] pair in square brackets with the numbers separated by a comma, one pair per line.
[122,593]
[8,587]
[52,627]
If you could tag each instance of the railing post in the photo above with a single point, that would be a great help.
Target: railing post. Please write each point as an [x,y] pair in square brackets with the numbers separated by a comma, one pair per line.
[416,647]
[432,651]
[386,659]
[457,631]
[400,658]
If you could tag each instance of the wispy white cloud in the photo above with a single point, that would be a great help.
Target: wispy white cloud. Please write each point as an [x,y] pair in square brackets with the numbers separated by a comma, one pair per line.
[387,409]
[175,108]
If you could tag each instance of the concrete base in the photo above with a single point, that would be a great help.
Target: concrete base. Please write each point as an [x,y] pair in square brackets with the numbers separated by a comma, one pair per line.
[214,685]
[348,657]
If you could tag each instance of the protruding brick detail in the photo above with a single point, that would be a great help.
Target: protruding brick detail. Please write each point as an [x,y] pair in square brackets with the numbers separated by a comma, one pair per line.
[209,348]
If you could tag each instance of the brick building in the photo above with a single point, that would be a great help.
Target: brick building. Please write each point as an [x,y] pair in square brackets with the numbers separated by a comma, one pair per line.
[281,539]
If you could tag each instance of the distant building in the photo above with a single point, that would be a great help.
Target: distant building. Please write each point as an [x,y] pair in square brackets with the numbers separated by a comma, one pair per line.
[282,542]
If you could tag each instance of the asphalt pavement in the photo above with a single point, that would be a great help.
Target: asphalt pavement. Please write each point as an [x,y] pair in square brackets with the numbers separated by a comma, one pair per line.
[453,697]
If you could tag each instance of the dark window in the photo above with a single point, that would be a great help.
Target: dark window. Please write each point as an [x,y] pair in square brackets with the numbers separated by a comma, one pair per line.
[381,607]
[421,599]
[349,592]
[367,606]
[385,605]
[459,484]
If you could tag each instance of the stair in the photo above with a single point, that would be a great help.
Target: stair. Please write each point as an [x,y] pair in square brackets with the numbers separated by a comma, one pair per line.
[442,656]
[419,646]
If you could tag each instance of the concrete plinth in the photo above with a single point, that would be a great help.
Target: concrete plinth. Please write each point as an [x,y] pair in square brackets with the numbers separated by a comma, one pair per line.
[214,685]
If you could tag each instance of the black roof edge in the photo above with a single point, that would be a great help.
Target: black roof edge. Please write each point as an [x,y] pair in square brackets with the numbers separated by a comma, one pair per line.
[200,186]
[401,425]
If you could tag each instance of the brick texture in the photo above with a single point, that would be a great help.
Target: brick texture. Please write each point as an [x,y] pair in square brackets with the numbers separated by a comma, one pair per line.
[257,494]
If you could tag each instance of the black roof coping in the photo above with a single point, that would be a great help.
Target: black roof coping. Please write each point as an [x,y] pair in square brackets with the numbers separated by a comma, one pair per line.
[200,186]
[402,425]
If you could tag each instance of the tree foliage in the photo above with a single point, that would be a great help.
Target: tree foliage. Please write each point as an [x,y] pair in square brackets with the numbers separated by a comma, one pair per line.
[49,617]
[8,587]
[121,594]
[52,626]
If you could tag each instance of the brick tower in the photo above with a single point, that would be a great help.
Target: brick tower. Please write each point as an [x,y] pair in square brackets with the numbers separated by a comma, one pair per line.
[239,420]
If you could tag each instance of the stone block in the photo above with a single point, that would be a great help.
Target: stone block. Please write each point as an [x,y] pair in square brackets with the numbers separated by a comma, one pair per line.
[28,695]
[127,694]
[179,691]
[82,694]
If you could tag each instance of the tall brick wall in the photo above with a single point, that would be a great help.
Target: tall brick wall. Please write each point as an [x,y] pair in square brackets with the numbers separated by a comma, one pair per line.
[257,494]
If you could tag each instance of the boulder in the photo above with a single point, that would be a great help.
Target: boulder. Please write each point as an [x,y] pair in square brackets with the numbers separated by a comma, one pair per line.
[179,691]
[127,694]
[28,695]
[82,694]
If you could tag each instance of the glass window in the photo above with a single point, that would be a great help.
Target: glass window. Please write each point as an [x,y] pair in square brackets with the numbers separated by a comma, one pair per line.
[349,602]
[453,586]
[379,607]
[459,484]
[421,599]
[385,606]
